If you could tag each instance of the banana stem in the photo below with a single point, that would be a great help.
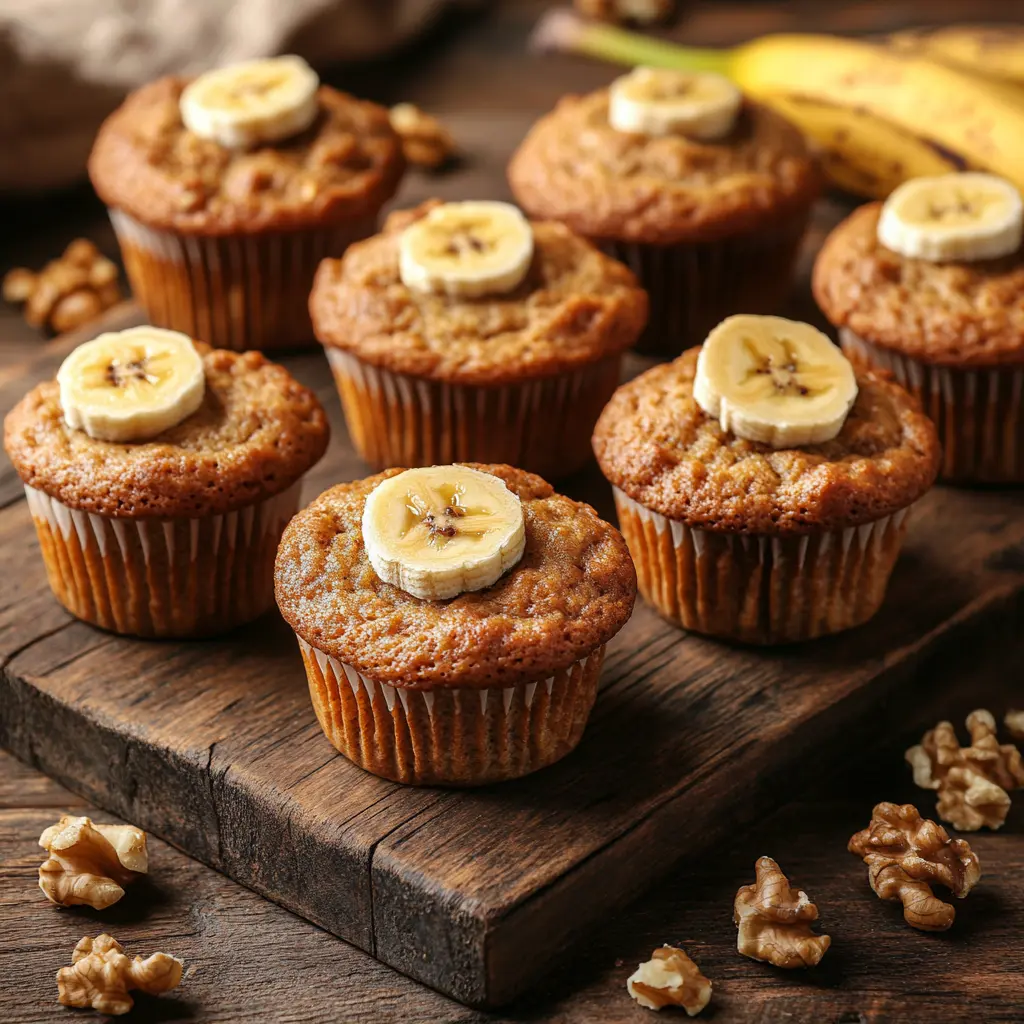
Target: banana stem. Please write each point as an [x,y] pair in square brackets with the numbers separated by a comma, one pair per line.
[566,32]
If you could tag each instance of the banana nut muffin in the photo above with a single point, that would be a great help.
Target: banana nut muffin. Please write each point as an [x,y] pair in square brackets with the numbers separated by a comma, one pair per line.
[222,241]
[951,332]
[176,535]
[518,376]
[491,684]
[744,541]
[710,226]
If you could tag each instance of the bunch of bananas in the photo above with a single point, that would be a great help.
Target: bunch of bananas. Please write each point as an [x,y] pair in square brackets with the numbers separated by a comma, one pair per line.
[917,103]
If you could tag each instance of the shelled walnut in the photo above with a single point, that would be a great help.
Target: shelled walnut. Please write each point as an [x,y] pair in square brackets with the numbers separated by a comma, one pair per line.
[68,292]
[101,976]
[907,854]
[1014,721]
[425,141]
[640,12]
[775,922]
[90,864]
[973,782]
[669,978]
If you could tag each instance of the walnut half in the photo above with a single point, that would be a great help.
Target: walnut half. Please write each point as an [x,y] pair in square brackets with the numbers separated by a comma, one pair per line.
[101,976]
[425,141]
[1015,724]
[775,922]
[907,854]
[973,782]
[669,978]
[90,864]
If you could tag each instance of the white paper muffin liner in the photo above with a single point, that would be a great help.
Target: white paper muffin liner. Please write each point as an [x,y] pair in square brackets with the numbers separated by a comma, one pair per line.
[760,589]
[237,291]
[542,426]
[450,735]
[977,412]
[162,577]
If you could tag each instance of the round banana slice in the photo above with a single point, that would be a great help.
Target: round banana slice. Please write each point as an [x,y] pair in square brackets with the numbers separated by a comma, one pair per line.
[443,530]
[963,217]
[131,385]
[660,101]
[466,249]
[773,380]
[252,103]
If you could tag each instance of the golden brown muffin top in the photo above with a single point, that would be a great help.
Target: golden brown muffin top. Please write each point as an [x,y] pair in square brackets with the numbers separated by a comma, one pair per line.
[654,442]
[574,167]
[257,431]
[574,307]
[571,592]
[147,163]
[952,314]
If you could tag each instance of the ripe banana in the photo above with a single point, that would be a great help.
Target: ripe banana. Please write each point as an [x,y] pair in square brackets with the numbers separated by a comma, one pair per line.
[661,101]
[467,249]
[993,51]
[773,380]
[252,103]
[131,385]
[953,217]
[443,530]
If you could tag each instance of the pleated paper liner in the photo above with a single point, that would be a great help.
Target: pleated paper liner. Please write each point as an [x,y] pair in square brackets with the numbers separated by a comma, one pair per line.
[977,412]
[235,292]
[450,736]
[542,426]
[759,589]
[162,578]
[694,287]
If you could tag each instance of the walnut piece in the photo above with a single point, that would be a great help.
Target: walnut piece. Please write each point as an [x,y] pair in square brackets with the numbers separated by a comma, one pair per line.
[425,141]
[907,854]
[1014,722]
[669,978]
[101,976]
[775,922]
[90,864]
[68,292]
[972,782]
[639,12]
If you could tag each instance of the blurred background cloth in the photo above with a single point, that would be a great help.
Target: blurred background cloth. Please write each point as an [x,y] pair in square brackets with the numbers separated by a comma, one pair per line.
[65,64]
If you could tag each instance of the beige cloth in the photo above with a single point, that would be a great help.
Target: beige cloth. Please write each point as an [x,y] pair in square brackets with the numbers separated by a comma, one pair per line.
[65,64]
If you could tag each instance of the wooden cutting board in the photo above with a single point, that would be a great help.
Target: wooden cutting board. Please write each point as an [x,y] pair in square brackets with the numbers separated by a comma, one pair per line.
[214,746]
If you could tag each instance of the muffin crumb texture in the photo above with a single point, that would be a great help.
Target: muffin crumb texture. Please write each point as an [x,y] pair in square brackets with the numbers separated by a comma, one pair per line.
[570,593]
[967,315]
[656,444]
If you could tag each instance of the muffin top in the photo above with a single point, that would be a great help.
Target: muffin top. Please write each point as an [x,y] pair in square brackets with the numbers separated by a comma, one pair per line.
[255,433]
[574,306]
[571,592]
[147,163]
[655,443]
[574,167]
[951,314]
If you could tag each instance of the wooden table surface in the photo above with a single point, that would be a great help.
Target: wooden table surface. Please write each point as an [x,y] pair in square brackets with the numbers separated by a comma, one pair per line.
[250,960]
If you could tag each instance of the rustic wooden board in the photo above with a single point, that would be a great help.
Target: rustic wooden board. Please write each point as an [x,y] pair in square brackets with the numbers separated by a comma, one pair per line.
[214,746]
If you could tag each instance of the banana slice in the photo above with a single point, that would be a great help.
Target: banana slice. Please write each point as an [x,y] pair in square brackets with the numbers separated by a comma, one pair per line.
[466,249]
[969,216]
[660,101]
[252,103]
[131,385]
[773,380]
[443,530]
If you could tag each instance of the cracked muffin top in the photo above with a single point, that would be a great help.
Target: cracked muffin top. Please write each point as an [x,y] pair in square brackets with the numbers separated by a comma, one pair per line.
[572,591]
[346,165]
[574,307]
[952,314]
[254,435]
[574,167]
[656,444]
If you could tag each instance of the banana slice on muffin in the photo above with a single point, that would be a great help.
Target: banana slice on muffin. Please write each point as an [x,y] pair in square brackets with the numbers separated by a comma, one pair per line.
[777,381]
[131,385]
[442,531]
